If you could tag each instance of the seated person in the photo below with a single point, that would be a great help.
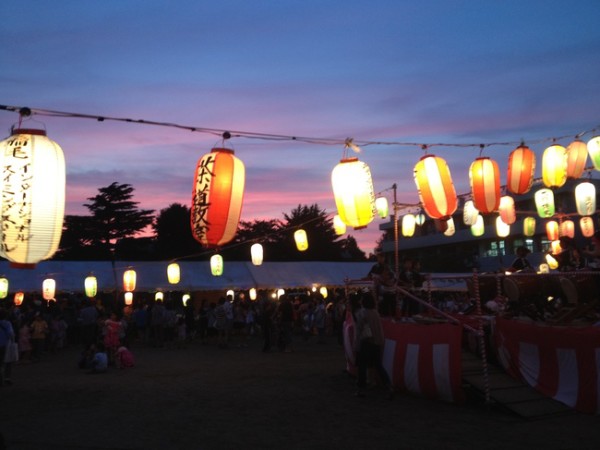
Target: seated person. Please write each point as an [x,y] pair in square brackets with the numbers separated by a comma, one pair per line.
[99,362]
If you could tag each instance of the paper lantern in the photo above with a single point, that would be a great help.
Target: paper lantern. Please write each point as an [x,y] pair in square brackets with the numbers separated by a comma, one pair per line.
[3,287]
[544,203]
[441,225]
[435,187]
[576,158]
[470,213]
[230,294]
[173,273]
[529,226]
[420,219]
[544,268]
[502,229]
[129,278]
[593,147]
[90,285]
[252,294]
[323,291]
[48,289]
[552,262]
[554,166]
[484,176]
[216,265]
[338,225]
[586,224]
[585,198]
[185,298]
[301,240]
[19,297]
[217,197]
[507,210]
[381,205]
[256,254]
[555,247]
[408,225]
[450,229]
[128,298]
[353,192]
[567,228]
[33,197]
[280,292]
[521,170]
[552,230]
[478,228]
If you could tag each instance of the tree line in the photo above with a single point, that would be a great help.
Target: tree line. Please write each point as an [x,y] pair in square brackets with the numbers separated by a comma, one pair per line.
[117,229]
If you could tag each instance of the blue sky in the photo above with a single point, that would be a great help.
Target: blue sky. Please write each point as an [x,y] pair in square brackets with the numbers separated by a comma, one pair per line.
[424,72]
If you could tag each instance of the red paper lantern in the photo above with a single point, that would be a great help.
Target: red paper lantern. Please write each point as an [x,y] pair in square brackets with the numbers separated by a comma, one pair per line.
[552,230]
[217,197]
[521,170]
[436,190]
[484,176]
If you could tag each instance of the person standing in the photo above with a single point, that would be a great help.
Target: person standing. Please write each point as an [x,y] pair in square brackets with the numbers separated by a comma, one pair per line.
[7,336]
[39,331]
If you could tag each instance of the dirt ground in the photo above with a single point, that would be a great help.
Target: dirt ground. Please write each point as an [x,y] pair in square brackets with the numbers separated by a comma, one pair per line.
[202,397]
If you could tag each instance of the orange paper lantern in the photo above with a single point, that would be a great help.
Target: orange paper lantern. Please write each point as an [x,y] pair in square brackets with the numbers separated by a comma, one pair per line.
[577,154]
[484,176]
[436,190]
[521,170]
[129,278]
[552,230]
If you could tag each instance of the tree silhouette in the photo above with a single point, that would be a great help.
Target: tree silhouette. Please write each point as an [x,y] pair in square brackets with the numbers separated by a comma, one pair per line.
[173,233]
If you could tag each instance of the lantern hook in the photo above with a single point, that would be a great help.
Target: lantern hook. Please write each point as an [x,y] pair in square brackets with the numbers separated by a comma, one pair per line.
[481,147]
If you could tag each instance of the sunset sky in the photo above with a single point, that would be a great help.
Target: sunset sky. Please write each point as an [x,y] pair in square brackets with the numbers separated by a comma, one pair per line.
[451,72]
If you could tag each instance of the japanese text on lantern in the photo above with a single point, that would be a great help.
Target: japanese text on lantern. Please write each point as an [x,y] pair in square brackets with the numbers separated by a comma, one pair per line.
[368,187]
[205,173]
[16,203]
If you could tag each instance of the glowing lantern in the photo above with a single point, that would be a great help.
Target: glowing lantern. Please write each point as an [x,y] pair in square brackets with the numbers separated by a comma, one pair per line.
[587,226]
[552,262]
[554,166]
[502,229]
[90,285]
[451,229]
[478,228]
[217,197]
[585,198]
[420,219]
[48,289]
[381,205]
[128,298]
[593,147]
[338,225]
[216,265]
[230,294]
[470,213]
[3,287]
[567,228]
[256,253]
[441,225]
[484,176]
[507,210]
[436,190]
[529,226]
[544,202]
[19,296]
[408,225]
[33,197]
[544,268]
[252,294]
[323,291]
[555,247]
[552,230]
[129,277]
[185,298]
[576,158]
[159,296]
[173,273]
[521,169]
[280,292]
[301,240]
[353,192]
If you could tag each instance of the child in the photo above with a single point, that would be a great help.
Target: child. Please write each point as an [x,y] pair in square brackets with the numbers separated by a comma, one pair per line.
[124,358]
[25,343]
[99,362]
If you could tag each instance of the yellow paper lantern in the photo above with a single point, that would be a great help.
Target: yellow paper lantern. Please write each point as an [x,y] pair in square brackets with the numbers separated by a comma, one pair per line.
[252,294]
[435,187]
[381,205]
[555,247]
[216,265]
[33,197]
[544,203]
[554,166]
[48,289]
[502,229]
[470,213]
[129,279]
[128,298]
[301,240]
[256,254]
[90,285]
[323,291]
[507,210]
[478,228]
[3,287]
[529,226]
[544,268]
[484,177]
[576,158]
[185,298]
[587,226]
[585,198]
[450,229]
[19,297]
[552,262]
[353,191]
[552,230]
[521,170]
[593,147]
[567,228]
[173,273]
[408,225]
[338,225]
